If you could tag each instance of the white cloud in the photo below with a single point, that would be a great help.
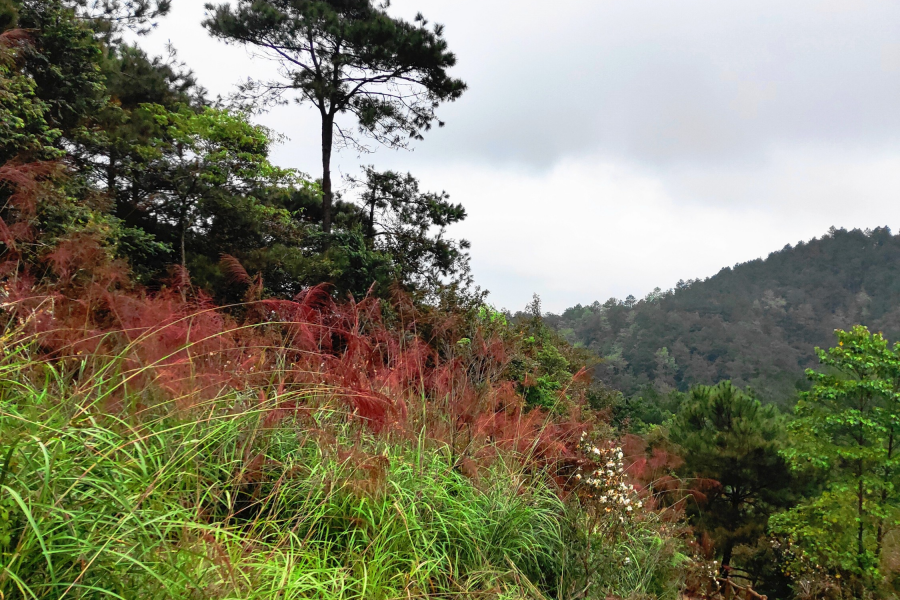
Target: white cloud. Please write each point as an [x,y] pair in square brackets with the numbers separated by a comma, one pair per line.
[607,146]
[590,229]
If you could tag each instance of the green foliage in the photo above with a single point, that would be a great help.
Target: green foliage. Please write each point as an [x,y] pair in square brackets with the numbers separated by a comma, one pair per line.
[410,226]
[730,446]
[24,130]
[629,561]
[346,58]
[545,365]
[489,316]
[201,184]
[64,64]
[49,79]
[346,260]
[207,164]
[644,410]
[846,430]
[754,324]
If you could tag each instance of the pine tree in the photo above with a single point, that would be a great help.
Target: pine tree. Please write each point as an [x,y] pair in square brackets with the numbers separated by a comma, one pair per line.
[346,58]
[730,444]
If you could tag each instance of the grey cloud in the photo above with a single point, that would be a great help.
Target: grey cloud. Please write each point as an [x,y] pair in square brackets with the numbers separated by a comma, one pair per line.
[671,137]
[658,82]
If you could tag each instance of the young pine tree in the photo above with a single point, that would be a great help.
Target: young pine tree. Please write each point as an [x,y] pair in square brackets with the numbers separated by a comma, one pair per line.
[731,442]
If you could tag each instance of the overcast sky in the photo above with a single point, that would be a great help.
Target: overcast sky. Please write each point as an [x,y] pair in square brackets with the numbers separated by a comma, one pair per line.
[606,147]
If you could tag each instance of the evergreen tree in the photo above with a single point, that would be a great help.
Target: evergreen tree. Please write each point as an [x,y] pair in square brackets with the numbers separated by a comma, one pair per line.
[346,57]
[63,60]
[409,226]
[25,133]
[110,17]
[730,445]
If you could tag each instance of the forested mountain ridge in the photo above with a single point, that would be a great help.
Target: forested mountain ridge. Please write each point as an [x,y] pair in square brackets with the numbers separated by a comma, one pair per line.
[755,324]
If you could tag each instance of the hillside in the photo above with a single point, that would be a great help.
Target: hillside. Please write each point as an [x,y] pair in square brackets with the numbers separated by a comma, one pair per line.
[756,323]
[221,379]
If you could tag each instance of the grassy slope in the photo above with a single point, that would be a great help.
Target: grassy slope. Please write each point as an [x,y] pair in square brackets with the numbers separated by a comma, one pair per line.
[220,500]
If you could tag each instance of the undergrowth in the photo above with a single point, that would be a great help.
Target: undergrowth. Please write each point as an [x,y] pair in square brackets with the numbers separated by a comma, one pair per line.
[222,506]
[219,501]
[157,446]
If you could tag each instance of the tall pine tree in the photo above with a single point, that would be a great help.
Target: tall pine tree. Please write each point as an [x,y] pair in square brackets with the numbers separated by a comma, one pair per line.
[346,57]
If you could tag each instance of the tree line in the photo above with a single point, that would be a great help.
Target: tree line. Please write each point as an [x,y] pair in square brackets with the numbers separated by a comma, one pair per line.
[755,324]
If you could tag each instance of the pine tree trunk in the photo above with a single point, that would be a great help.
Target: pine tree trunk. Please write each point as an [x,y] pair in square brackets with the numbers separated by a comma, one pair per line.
[727,552]
[327,194]
[111,175]
[372,219]
[182,226]
[183,254]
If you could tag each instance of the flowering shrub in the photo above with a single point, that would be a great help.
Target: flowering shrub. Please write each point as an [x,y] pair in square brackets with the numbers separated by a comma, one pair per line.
[625,548]
[703,577]
[605,480]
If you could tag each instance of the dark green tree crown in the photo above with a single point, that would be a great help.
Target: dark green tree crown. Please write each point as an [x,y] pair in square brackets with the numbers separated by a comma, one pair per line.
[347,56]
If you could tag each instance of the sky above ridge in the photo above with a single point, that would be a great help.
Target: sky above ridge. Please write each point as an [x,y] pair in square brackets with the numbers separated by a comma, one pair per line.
[607,147]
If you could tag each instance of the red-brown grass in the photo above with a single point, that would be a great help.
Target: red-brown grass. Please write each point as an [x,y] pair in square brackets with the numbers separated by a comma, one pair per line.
[396,367]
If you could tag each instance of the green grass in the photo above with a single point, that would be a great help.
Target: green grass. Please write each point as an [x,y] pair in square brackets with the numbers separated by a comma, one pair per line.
[215,505]
[218,502]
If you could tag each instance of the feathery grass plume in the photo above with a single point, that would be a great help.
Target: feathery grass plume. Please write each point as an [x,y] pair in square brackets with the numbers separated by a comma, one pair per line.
[234,270]
[227,505]
[162,446]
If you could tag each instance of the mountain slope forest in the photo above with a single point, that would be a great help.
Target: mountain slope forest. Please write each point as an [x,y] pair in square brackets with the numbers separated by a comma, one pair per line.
[223,378]
[755,324]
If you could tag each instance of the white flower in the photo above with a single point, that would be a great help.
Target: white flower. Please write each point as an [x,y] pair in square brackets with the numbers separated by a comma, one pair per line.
[628,508]
[619,454]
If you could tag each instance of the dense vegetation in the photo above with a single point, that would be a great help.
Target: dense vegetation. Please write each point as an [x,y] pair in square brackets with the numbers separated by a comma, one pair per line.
[162,176]
[755,324]
[221,379]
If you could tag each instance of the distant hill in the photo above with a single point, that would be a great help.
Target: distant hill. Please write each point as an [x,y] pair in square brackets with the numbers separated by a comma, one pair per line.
[756,323]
